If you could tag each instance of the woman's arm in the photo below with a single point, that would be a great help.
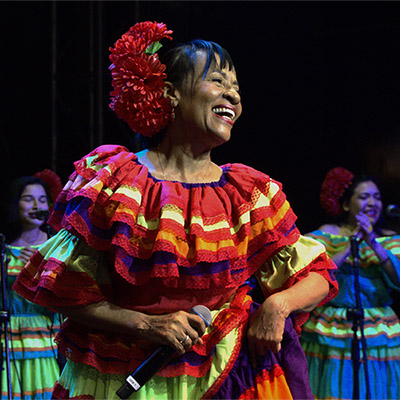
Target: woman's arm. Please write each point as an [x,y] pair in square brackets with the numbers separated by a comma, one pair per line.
[168,329]
[366,233]
[386,262]
[267,326]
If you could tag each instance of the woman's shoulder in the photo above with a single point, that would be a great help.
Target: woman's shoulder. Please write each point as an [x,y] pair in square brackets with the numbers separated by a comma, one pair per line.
[243,169]
[107,154]
[330,228]
[326,230]
[249,177]
[108,164]
[387,232]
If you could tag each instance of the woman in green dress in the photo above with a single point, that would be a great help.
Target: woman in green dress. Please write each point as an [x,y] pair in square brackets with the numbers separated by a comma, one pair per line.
[33,365]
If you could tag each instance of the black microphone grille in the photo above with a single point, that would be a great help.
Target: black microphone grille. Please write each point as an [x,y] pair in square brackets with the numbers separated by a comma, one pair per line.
[42,214]
[204,313]
[392,210]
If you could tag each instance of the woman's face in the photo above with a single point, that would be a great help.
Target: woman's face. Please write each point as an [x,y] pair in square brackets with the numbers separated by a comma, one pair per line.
[209,111]
[33,198]
[366,199]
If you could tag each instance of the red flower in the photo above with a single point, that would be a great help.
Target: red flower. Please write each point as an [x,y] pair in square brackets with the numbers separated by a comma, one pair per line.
[138,79]
[138,38]
[336,182]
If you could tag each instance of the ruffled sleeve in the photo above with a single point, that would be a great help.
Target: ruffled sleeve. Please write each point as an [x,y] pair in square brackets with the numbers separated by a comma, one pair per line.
[64,271]
[293,263]
[392,247]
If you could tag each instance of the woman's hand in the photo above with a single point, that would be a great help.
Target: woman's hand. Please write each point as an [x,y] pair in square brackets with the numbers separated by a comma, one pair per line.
[364,228]
[268,323]
[266,327]
[26,253]
[180,330]
[367,234]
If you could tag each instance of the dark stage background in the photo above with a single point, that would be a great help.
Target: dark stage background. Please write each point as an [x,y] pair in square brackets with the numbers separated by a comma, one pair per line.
[320,84]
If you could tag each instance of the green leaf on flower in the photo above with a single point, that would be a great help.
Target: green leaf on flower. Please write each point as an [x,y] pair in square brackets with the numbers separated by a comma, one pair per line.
[153,48]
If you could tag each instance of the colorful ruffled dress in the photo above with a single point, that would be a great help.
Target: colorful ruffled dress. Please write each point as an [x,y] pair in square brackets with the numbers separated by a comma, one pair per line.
[327,335]
[33,351]
[158,247]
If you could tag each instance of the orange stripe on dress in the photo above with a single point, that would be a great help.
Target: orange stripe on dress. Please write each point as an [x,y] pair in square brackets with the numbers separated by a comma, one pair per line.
[269,385]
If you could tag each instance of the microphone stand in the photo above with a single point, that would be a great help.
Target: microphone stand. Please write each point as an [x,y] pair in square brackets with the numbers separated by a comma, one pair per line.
[4,316]
[357,316]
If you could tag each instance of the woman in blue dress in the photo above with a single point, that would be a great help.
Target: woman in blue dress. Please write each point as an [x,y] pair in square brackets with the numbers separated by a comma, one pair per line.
[355,204]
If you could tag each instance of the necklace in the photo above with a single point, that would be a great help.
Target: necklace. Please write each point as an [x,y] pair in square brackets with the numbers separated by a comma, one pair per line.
[202,178]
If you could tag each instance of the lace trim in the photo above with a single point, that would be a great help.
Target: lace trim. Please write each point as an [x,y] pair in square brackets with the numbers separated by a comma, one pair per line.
[235,353]
[36,282]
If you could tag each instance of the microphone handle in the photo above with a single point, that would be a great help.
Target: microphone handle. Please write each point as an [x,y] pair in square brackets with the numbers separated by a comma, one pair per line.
[146,370]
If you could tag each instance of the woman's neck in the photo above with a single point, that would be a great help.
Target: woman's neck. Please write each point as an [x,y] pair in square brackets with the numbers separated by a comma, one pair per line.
[180,162]
[30,237]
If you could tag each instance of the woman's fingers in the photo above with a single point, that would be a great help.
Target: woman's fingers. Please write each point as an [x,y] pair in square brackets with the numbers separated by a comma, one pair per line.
[180,330]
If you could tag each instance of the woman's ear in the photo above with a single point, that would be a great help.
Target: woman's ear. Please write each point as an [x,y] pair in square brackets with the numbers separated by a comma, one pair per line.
[172,93]
[346,206]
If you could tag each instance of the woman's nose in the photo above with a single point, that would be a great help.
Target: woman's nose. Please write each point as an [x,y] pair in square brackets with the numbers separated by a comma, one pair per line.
[232,95]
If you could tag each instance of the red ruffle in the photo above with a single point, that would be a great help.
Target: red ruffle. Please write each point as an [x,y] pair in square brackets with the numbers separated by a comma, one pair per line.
[104,209]
[49,284]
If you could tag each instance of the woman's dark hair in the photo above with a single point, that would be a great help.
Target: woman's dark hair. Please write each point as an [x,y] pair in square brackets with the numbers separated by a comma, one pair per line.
[350,191]
[11,225]
[180,62]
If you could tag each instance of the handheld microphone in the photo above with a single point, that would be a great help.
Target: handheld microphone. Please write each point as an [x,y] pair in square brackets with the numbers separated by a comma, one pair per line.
[42,214]
[354,247]
[392,211]
[158,359]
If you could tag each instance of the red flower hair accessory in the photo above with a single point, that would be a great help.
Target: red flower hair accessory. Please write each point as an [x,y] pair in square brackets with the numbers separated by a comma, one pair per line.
[53,182]
[138,79]
[336,181]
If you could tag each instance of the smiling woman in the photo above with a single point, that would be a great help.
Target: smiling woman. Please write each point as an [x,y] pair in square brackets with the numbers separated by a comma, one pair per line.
[355,204]
[145,237]
[32,327]
[205,110]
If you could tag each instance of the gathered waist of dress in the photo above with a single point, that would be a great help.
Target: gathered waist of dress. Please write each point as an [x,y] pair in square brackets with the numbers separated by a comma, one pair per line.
[158,299]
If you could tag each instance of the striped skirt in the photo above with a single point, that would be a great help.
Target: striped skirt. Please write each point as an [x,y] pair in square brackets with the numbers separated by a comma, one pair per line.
[278,376]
